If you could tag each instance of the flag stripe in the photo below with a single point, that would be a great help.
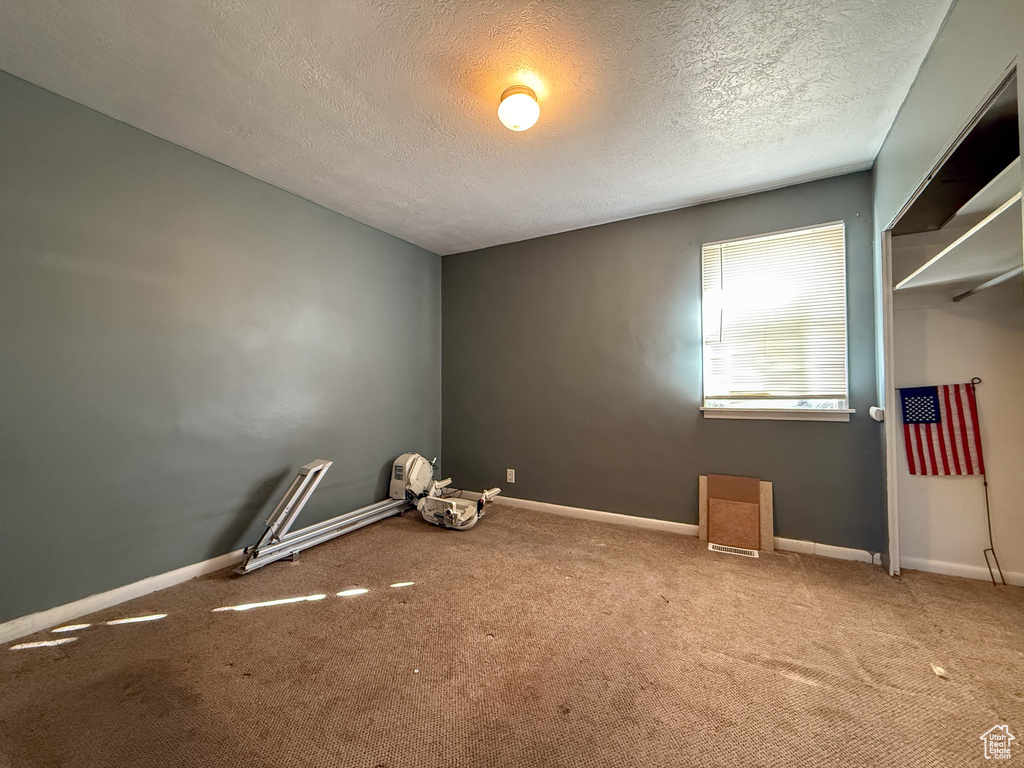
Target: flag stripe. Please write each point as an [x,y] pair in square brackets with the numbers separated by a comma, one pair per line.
[929,435]
[910,450]
[940,434]
[963,430]
[934,435]
[920,448]
[947,422]
[972,444]
[976,442]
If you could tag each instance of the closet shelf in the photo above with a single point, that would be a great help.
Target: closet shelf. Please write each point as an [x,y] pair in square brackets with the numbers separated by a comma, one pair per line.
[981,243]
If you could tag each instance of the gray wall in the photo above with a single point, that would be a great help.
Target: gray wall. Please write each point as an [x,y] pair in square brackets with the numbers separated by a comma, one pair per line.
[176,339]
[576,360]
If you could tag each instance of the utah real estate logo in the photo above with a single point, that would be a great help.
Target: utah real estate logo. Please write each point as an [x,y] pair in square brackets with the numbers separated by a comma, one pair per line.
[997,742]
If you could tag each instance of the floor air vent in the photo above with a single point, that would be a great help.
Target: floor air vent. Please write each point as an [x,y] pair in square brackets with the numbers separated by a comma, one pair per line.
[733,550]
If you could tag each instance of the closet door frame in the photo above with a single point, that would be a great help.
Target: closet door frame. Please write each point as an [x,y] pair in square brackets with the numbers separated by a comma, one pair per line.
[892,419]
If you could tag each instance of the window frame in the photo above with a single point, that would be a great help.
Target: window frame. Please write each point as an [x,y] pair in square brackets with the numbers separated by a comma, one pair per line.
[781,414]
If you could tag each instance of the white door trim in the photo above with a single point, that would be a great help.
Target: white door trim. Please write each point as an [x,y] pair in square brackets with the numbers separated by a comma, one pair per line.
[892,415]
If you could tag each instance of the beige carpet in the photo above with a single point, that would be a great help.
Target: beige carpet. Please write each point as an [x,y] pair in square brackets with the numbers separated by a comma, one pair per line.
[539,641]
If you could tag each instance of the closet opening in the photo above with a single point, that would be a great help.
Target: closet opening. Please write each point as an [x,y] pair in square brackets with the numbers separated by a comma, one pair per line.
[955,358]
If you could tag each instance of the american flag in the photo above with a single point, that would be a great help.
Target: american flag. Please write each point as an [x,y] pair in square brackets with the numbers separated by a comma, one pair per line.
[940,426]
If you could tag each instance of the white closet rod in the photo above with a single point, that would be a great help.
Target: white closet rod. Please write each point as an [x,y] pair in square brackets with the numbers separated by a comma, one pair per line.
[990,283]
[960,240]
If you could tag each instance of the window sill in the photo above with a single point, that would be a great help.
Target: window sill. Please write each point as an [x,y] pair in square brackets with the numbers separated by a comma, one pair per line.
[780,414]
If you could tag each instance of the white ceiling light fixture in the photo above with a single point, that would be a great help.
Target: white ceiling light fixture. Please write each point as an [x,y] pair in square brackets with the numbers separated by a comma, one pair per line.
[518,109]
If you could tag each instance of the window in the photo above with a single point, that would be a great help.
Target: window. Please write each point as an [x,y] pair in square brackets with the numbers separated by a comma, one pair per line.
[774,310]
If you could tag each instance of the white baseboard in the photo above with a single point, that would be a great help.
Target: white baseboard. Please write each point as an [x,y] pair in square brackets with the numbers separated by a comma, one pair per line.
[958,569]
[827,550]
[52,617]
[686,529]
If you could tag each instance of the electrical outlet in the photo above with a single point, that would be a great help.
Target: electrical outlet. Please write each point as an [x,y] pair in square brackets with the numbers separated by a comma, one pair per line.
[510,475]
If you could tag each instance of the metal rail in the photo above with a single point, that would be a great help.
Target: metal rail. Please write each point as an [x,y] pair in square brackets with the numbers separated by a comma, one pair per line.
[277,543]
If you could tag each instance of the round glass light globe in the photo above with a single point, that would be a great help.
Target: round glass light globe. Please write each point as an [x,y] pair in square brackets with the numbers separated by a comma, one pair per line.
[518,109]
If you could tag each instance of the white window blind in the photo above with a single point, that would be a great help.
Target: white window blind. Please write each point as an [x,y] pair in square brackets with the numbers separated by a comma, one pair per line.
[774,310]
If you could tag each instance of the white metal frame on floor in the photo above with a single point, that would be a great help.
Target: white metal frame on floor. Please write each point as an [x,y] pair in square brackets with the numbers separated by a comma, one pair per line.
[278,542]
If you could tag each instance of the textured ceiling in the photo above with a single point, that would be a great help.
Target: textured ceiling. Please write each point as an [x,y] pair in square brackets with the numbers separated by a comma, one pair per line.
[386,110]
